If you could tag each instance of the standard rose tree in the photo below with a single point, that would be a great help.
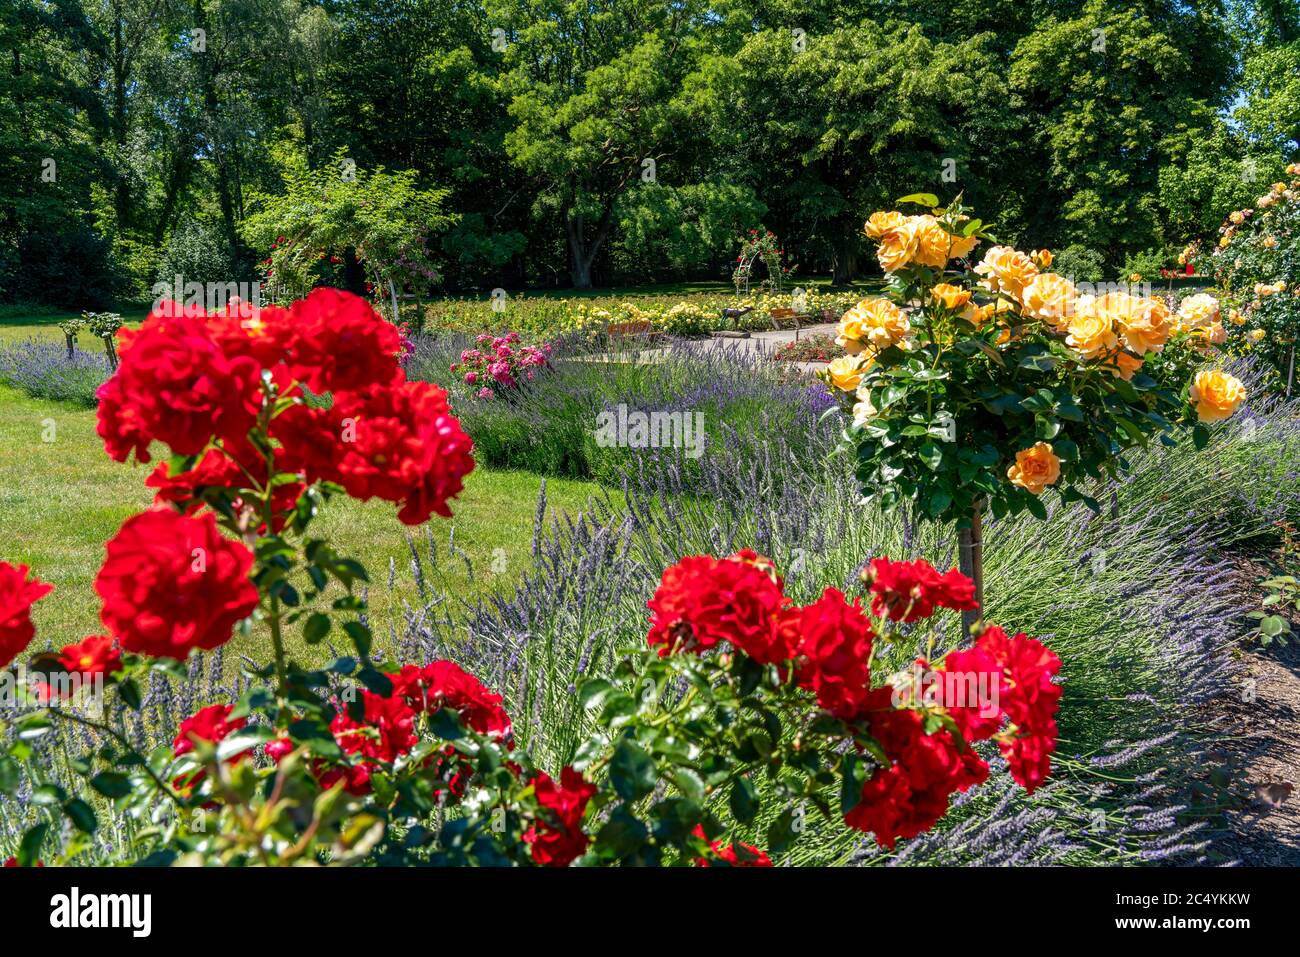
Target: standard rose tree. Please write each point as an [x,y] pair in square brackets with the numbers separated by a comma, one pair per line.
[362,761]
[983,384]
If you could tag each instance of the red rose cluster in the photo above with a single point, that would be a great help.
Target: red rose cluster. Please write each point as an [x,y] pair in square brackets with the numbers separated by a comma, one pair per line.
[388,730]
[194,382]
[278,400]
[910,591]
[703,601]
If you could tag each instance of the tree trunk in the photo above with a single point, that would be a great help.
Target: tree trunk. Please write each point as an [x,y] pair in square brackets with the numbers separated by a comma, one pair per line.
[846,265]
[970,559]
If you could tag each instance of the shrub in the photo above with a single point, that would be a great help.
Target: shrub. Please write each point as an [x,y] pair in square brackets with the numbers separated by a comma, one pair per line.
[43,369]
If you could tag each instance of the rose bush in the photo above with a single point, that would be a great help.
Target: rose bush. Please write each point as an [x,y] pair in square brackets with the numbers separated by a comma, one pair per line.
[992,381]
[1256,263]
[365,759]
[500,364]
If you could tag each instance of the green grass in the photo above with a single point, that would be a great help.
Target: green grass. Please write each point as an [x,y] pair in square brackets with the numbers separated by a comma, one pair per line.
[60,501]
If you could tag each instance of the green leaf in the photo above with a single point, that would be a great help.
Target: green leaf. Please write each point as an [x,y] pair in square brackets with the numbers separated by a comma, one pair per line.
[853,779]
[931,455]
[744,802]
[1200,436]
[360,636]
[622,835]
[82,815]
[921,199]
[631,771]
[111,784]
[29,850]
[316,628]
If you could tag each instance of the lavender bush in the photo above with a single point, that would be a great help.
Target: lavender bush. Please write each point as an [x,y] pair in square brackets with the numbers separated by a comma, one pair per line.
[44,370]
[549,425]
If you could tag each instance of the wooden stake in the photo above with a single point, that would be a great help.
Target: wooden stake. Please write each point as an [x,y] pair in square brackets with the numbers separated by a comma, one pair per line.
[970,559]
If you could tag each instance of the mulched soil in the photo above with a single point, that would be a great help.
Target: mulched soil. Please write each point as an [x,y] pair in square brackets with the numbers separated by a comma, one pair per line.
[1258,758]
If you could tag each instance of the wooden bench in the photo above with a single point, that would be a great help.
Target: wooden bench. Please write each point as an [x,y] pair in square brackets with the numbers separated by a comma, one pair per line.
[783,314]
[641,329]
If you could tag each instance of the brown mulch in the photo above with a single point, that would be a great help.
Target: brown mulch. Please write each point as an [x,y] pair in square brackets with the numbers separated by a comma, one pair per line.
[1260,747]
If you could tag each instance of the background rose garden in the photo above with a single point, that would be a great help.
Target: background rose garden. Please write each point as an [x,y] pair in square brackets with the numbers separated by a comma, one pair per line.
[1159,562]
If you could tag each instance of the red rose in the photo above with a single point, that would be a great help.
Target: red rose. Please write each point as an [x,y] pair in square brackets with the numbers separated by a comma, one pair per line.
[445,684]
[342,343]
[1029,699]
[909,591]
[207,724]
[17,595]
[397,442]
[835,653]
[265,334]
[13,862]
[703,600]
[171,583]
[556,836]
[911,793]
[211,724]
[387,730]
[175,385]
[96,655]
[735,855]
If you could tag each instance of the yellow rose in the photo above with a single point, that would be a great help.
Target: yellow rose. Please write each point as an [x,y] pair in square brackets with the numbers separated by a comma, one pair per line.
[934,245]
[1269,242]
[1091,333]
[1197,311]
[1135,277]
[1143,323]
[949,296]
[1237,217]
[1051,298]
[1279,187]
[845,372]
[898,246]
[1042,258]
[1035,468]
[874,323]
[1256,335]
[1213,334]
[1236,318]
[1216,395]
[863,410]
[1122,365]
[1006,270]
[880,223]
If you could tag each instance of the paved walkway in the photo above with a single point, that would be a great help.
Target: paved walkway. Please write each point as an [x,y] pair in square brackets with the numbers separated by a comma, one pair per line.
[766,341]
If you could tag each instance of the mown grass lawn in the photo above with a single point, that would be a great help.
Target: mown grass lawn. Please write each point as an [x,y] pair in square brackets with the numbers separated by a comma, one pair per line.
[61,500]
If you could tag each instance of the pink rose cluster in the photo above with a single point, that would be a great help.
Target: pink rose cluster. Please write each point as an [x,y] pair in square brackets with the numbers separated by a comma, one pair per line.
[500,363]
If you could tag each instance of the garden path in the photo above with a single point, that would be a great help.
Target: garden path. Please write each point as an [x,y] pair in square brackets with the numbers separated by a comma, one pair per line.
[1260,750]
